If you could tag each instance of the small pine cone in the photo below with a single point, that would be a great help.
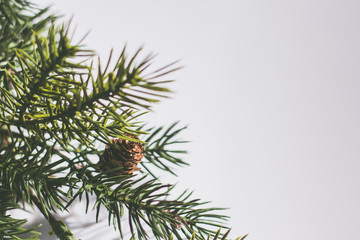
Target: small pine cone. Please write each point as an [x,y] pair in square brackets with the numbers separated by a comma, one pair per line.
[126,157]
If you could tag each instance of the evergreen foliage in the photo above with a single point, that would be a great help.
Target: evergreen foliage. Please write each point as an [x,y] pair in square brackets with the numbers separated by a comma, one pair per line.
[57,107]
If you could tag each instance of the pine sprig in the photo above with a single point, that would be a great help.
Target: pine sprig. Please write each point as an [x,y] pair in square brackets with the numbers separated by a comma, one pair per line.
[54,96]
[11,228]
[146,204]
[26,170]
[159,150]
[146,201]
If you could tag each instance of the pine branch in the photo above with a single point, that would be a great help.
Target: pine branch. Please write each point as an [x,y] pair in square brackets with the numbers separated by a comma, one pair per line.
[53,96]
[145,203]
[59,227]
[55,109]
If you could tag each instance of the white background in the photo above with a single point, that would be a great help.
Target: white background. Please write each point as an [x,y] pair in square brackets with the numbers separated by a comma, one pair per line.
[270,91]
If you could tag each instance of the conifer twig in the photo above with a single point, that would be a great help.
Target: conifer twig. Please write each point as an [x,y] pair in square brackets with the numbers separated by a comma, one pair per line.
[58,226]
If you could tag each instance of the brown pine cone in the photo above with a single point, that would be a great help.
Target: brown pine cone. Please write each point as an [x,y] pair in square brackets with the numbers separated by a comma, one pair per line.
[126,156]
